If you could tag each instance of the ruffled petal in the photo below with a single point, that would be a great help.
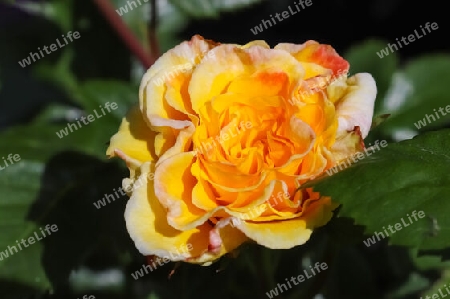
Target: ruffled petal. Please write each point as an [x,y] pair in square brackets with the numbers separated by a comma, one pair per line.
[134,138]
[174,184]
[228,63]
[163,92]
[223,239]
[147,225]
[355,109]
[289,233]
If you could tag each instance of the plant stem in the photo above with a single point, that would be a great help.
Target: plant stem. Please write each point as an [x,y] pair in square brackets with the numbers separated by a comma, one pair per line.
[124,32]
[153,24]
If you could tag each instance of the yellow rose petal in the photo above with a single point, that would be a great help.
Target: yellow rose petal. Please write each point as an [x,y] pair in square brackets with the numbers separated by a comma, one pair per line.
[174,184]
[134,138]
[289,233]
[223,239]
[172,68]
[146,221]
[356,107]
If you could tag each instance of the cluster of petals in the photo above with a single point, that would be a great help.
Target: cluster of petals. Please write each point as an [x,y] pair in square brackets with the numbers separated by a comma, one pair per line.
[224,136]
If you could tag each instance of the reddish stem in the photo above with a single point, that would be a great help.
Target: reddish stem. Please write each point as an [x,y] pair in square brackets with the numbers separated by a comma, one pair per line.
[124,32]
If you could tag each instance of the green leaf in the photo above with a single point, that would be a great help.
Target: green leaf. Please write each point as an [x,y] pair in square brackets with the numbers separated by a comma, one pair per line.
[417,90]
[95,95]
[363,58]
[56,112]
[210,8]
[60,192]
[428,262]
[59,11]
[385,188]
[171,22]
[71,184]
[441,287]
[43,189]
[343,232]
[415,283]
[19,186]
[60,73]
[40,141]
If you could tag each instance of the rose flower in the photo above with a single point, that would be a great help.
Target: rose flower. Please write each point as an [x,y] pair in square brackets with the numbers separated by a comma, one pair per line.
[223,137]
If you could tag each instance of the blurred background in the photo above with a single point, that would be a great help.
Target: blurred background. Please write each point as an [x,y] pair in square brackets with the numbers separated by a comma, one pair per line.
[59,179]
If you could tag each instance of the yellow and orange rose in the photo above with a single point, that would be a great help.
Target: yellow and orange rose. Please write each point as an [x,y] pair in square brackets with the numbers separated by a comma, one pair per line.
[223,137]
